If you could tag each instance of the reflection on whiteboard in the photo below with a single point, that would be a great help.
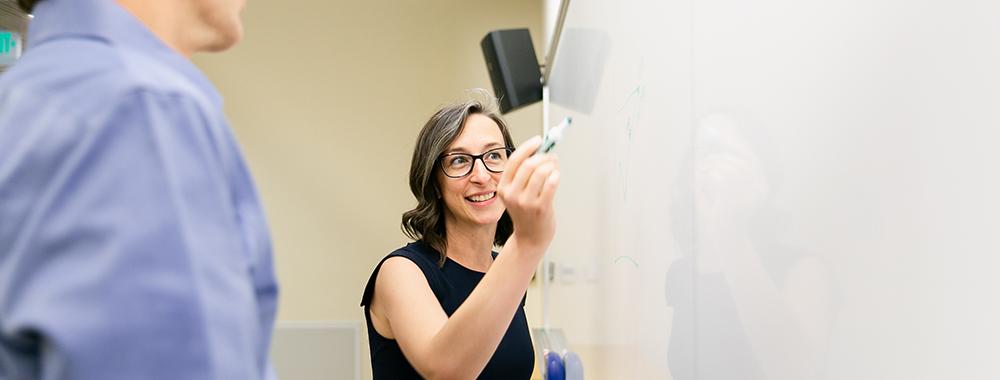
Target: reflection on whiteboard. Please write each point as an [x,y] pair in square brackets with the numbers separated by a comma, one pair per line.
[583,53]
[746,305]
[780,190]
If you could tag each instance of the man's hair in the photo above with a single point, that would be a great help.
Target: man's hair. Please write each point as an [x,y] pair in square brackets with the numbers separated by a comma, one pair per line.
[27,5]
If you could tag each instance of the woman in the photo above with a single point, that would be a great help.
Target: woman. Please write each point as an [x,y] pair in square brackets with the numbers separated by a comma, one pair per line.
[447,306]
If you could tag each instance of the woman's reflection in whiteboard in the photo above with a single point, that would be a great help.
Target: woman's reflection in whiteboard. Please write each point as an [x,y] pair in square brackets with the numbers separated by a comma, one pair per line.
[746,306]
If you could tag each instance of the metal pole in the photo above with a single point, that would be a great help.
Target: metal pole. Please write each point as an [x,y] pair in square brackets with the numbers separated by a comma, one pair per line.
[553,46]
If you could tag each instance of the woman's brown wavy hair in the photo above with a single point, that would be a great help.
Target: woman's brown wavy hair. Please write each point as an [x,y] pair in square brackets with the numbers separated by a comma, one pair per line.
[426,220]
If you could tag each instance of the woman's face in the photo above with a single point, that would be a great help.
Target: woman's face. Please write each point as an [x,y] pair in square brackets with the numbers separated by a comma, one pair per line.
[472,199]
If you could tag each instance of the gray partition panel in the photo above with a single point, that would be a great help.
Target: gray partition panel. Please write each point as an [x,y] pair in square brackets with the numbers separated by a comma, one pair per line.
[317,350]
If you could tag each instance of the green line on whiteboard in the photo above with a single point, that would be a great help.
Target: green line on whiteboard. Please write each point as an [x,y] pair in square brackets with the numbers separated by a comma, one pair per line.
[627,258]
[634,95]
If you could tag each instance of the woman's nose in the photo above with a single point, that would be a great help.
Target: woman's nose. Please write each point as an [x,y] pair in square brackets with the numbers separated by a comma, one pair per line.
[479,172]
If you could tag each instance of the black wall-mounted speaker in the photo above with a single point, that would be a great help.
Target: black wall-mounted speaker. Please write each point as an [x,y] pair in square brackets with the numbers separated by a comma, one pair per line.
[513,66]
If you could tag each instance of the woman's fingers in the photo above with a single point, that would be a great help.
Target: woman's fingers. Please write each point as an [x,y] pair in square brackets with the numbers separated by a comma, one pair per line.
[549,189]
[533,189]
[513,166]
[555,172]
[526,188]
[525,172]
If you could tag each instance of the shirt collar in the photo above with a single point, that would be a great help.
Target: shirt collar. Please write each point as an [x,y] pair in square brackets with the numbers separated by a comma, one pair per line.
[107,21]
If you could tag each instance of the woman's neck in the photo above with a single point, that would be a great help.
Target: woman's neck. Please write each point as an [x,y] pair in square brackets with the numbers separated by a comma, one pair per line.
[471,246]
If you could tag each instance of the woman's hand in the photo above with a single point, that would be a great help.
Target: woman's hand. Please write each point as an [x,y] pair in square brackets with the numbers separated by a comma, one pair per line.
[527,187]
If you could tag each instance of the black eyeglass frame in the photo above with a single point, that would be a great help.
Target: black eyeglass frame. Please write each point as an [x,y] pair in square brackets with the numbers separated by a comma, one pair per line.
[441,161]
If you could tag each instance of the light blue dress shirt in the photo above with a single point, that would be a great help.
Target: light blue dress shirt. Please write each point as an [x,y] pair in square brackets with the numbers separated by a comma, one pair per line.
[132,241]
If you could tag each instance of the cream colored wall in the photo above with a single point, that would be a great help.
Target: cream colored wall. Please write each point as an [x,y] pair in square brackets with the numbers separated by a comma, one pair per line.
[326,98]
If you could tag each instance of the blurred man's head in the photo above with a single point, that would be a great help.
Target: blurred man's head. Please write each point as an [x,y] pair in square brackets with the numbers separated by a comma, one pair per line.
[27,5]
[189,26]
[215,24]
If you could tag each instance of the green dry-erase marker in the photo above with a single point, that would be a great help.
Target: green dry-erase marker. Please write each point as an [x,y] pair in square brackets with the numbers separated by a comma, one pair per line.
[553,136]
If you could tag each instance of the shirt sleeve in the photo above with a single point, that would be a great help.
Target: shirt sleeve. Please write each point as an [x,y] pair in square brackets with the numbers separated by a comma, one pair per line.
[129,262]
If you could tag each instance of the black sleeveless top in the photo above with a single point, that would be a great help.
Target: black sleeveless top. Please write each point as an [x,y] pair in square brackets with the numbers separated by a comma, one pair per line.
[451,284]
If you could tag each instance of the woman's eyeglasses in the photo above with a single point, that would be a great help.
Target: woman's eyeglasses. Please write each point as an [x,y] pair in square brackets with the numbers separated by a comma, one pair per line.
[458,165]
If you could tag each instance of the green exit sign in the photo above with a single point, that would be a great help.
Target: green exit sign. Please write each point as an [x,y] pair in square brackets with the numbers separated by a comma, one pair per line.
[10,47]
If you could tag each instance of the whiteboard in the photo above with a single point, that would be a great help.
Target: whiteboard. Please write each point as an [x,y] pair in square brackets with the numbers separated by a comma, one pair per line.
[778,189]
